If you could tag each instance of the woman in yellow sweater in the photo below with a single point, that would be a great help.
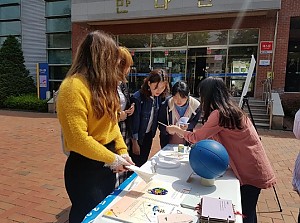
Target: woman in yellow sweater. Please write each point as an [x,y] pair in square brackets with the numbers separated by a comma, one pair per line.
[87,109]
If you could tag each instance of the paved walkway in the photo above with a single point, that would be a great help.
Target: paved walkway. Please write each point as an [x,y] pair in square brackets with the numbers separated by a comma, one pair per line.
[31,171]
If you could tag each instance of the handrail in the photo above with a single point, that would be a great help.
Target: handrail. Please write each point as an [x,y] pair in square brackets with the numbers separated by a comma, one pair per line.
[267,97]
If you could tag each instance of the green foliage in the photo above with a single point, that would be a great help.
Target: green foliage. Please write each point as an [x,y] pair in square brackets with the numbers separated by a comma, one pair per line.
[26,102]
[14,77]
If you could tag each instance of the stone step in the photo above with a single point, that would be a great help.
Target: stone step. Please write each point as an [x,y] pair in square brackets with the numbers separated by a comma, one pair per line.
[263,113]
[263,120]
[262,125]
[257,106]
[258,111]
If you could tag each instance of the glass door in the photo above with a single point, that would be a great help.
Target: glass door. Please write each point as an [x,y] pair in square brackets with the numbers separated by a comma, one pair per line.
[140,69]
[239,59]
[173,61]
[205,62]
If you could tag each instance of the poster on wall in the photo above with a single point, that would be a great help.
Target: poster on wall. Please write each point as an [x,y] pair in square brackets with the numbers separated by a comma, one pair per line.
[239,66]
[159,60]
[43,81]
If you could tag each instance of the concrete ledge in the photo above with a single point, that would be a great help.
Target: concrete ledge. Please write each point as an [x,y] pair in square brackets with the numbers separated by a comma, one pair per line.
[277,112]
[51,106]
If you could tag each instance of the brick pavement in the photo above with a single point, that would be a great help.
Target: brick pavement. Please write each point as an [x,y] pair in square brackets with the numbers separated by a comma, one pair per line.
[31,171]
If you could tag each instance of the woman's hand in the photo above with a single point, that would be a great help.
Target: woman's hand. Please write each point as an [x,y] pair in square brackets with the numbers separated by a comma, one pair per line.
[184,126]
[174,129]
[135,147]
[128,158]
[123,115]
[120,162]
[125,161]
[130,110]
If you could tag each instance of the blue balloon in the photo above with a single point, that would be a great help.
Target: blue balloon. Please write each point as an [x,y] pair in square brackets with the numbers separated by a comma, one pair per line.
[209,159]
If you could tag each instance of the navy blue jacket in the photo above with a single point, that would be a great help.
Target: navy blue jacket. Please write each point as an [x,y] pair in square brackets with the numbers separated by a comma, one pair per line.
[140,118]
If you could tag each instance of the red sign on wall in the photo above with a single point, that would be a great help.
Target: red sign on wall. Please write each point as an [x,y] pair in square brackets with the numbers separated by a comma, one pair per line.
[208,51]
[266,47]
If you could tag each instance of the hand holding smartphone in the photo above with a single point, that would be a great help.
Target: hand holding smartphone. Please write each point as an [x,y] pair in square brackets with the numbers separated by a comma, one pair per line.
[130,110]
[132,106]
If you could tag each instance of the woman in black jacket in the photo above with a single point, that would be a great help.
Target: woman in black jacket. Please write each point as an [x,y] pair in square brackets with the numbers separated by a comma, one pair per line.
[144,119]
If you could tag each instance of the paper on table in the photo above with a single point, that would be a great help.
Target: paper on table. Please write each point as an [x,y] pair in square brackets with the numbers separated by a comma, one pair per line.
[146,176]
[141,205]
[174,218]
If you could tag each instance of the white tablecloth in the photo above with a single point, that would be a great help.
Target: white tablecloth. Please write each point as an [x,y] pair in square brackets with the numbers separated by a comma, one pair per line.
[225,187]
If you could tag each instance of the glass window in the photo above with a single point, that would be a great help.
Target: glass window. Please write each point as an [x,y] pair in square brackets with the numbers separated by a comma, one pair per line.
[175,62]
[2,39]
[58,72]
[159,59]
[10,12]
[59,40]
[242,51]
[208,38]
[292,78]
[239,59]
[216,62]
[58,8]
[59,56]
[54,85]
[135,41]
[10,28]
[59,25]
[169,40]
[140,70]
[3,2]
[243,36]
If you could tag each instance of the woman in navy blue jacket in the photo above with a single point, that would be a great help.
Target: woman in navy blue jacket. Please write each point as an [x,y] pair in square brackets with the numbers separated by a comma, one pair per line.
[179,105]
[144,119]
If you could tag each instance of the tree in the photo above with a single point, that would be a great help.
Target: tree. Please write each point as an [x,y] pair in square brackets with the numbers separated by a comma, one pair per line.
[14,77]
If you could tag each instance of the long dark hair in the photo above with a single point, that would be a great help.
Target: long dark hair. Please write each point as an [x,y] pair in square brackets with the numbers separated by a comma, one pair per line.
[97,60]
[155,76]
[214,95]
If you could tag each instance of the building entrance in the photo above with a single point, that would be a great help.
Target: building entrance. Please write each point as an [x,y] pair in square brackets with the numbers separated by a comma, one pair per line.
[204,62]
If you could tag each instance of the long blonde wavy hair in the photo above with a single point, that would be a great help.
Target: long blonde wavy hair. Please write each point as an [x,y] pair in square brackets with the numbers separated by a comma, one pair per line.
[97,59]
[125,60]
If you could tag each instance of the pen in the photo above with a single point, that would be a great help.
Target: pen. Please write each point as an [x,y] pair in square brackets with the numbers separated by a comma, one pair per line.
[162,123]
[113,212]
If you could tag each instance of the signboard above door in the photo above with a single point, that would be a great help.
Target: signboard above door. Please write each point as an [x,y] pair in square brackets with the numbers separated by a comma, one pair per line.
[96,12]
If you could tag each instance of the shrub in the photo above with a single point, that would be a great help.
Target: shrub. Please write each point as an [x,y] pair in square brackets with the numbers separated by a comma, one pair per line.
[26,102]
[14,77]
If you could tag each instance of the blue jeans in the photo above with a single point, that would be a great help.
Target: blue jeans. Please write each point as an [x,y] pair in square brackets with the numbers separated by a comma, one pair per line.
[249,196]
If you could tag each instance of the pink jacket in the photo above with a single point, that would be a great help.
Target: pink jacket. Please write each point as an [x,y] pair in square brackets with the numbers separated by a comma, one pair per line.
[248,159]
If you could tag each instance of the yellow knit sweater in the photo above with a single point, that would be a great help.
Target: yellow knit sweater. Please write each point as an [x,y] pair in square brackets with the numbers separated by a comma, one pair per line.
[83,132]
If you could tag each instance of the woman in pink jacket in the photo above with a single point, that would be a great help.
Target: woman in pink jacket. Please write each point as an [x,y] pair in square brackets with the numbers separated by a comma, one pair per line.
[226,123]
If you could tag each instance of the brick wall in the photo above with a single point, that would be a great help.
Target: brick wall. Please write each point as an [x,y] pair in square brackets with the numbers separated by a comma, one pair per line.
[289,8]
[290,102]
[79,31]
